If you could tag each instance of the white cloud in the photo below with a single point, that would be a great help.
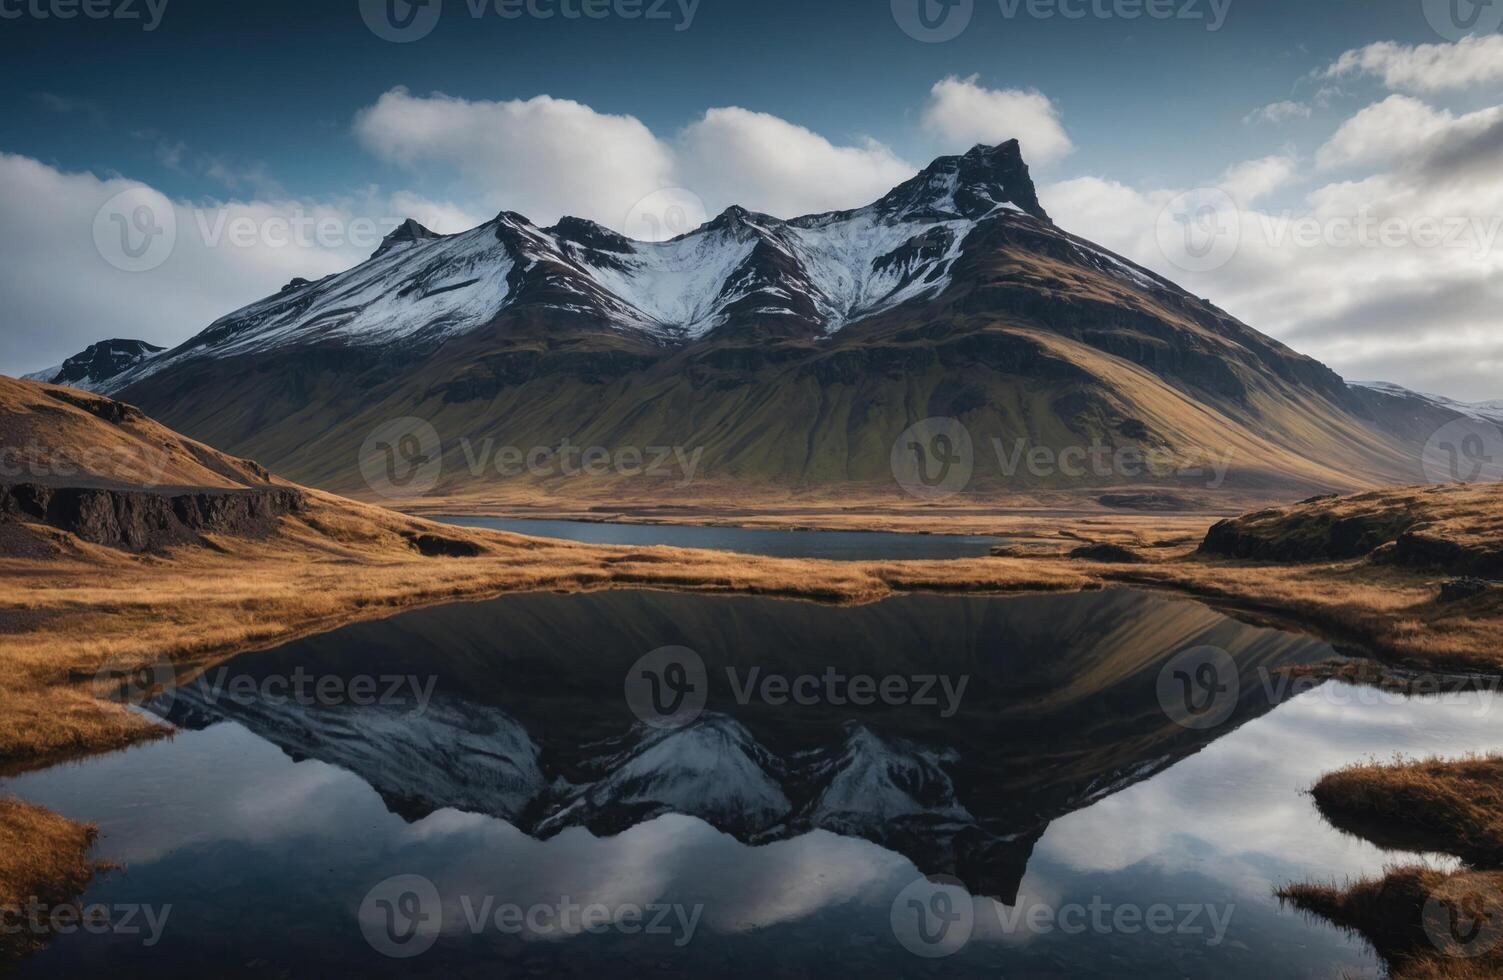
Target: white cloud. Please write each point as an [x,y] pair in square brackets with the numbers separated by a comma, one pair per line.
[961,113]
[546,157]
[1395,275]
[1398,129]
[1426,67]
[49,220]
[735,156]
[1253,180]
[542,157]
[1278,112]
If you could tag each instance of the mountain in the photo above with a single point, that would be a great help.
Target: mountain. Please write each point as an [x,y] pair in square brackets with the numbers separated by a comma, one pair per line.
[96,366]
[791,355]
[1491,411]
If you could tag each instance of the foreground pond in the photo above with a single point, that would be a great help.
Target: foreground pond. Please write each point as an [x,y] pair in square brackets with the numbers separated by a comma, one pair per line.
[834,545]
[1107,785]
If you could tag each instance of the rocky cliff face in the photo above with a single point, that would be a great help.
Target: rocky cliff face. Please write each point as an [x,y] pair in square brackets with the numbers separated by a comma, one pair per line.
[142,520]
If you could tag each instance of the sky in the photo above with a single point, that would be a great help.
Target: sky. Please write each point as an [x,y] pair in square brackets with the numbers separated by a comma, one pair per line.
[1326,170]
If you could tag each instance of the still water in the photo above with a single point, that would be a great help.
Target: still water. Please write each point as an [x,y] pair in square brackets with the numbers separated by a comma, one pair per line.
[928,786]
[833,545]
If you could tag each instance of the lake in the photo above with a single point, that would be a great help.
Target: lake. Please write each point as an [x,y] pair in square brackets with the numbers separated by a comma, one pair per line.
[834,545]
[1108,784]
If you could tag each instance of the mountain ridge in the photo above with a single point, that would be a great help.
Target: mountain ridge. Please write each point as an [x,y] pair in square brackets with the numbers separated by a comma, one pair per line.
[794,353]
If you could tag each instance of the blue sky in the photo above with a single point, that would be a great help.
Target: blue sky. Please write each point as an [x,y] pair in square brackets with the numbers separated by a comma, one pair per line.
[277,83]
[250,106]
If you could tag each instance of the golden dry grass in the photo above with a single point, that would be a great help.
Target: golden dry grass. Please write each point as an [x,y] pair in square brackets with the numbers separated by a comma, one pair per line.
[44,857]
[1454,807]
[1390,913]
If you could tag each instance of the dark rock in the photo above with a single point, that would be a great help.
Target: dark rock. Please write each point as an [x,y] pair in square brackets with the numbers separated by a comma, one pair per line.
[435,546]
[1153,501]
[407,231]
[1459,589]
[143,520]
[104,360]
[1111,554]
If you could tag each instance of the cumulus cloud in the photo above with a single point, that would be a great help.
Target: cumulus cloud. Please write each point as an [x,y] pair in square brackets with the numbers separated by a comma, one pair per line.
[226,254]
[1383,132]
[1426,67]
[1255,179]
[1395,275]
[762,162]
[546,157]
[543,157]
[1278,112]
[961,113]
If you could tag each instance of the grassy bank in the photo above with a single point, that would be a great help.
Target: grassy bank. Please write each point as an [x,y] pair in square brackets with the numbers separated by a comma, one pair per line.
[1424,922]
[43,858]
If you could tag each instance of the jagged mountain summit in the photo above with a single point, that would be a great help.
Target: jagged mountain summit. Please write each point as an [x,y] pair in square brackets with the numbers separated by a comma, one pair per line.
[793,353]
[809,276]
[97,365]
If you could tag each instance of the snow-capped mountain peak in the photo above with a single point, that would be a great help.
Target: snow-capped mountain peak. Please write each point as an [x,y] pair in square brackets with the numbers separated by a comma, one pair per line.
[746,273]
[97,365]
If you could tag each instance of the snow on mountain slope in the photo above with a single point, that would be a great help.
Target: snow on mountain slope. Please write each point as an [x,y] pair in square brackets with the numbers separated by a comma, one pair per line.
[1491,411]
[814,274]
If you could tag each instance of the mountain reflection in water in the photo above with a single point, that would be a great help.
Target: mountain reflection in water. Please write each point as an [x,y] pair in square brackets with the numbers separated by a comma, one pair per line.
[528,722]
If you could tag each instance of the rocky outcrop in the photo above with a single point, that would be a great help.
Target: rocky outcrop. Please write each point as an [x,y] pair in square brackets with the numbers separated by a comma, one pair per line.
[144,520]
[1309,533]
